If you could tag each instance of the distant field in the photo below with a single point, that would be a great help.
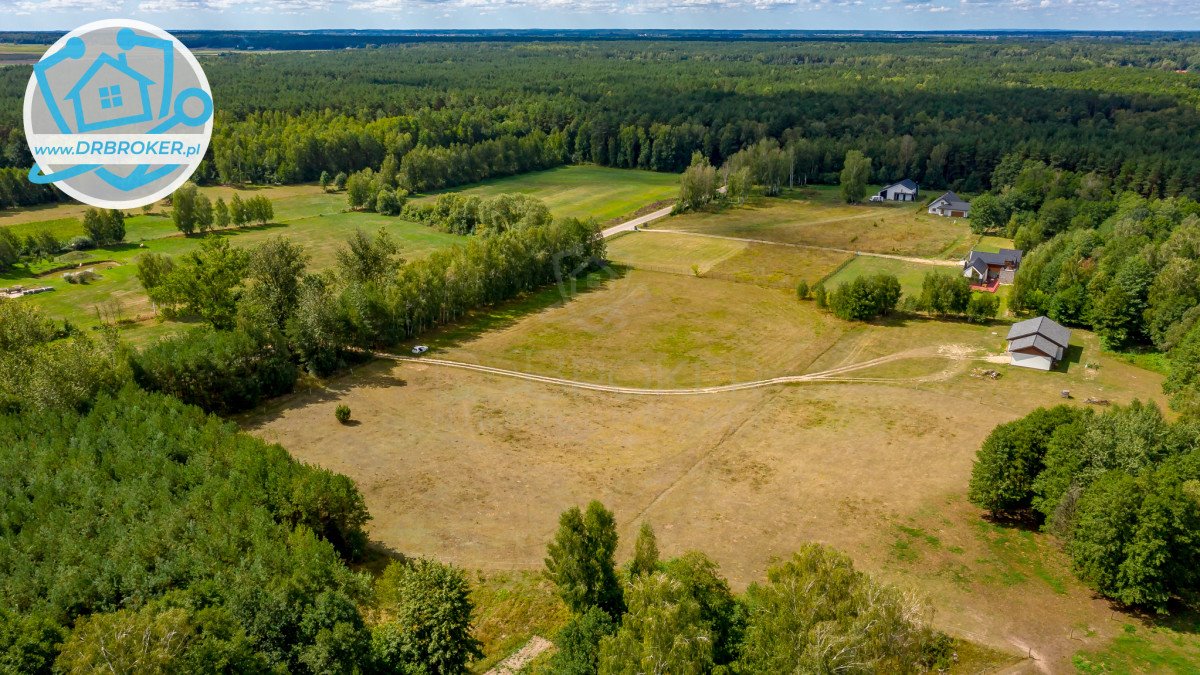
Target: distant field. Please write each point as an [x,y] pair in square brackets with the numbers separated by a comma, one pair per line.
[816,216]
[763,264]
[304,214]
[585,191]
[910,274]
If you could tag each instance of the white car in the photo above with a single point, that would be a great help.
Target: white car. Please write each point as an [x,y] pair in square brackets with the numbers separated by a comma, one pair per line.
[420,349]
[876,198]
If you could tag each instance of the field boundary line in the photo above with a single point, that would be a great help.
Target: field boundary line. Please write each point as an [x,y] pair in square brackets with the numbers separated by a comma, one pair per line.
[890,256]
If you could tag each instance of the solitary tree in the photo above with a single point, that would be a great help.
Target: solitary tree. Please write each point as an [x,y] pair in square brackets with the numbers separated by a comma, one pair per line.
[580,560]
[855,173]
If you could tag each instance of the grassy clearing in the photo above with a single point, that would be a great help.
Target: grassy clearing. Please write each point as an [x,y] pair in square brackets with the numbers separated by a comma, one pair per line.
[877,469]
[1168,646]
[585,191]
[653,330]
[677,254]
[815,216]
[761,264]
[910,274]
[511,608]
[993,244]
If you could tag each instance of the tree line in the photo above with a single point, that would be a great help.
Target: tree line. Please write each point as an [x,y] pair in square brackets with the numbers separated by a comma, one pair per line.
[1121,489]
[453,113]
[286,317]
[814,613]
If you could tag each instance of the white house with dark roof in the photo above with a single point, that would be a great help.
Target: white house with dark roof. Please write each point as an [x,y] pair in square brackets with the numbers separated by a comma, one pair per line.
[1037,343]
[904,191]
[950,205]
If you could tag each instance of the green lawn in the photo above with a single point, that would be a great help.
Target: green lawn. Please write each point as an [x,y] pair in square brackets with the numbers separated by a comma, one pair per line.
[910,274]
[993,244]
[584,191]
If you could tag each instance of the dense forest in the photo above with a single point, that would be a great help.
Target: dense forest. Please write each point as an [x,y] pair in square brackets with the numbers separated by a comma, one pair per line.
[944,112]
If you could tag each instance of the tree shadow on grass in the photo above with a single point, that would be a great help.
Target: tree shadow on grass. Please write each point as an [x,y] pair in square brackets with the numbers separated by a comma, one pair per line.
[509,313]
[362,373]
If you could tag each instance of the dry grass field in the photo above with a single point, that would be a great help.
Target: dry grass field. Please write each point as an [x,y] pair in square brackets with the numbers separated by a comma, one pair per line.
[815,216]
[760,264]
[474,468]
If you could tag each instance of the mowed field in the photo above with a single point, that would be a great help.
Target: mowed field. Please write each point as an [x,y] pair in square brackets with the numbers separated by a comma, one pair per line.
[816,216]
[773,265]
[585,191]
[474,468]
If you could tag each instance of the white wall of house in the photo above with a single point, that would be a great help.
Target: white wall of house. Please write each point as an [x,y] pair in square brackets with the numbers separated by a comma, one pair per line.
[1035,361]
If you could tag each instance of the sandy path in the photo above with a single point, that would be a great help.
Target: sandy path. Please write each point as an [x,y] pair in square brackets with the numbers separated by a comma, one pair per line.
[831,375]
[911,259]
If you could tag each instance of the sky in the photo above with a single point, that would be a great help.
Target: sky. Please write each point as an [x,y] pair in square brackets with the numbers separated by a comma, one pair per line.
[902,15]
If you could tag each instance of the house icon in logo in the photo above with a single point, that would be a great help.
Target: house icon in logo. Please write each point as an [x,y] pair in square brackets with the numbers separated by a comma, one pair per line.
[110,94]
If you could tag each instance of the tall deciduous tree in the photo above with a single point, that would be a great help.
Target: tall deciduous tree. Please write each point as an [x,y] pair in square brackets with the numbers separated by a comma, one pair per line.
[856,171]
[645,552]
[428,630]
[663,632]
[580,560]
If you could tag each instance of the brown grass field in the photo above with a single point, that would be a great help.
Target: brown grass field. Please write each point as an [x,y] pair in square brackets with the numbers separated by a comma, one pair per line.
[474,468]
[815,216]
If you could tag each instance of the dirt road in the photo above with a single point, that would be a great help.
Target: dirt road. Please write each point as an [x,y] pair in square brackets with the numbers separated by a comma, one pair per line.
[831,375]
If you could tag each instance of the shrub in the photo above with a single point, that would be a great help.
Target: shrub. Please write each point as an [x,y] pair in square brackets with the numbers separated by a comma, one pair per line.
[220,371]
[342,413]
[80,243]
[579,643]
[865,298]
[802,290]
[982,307]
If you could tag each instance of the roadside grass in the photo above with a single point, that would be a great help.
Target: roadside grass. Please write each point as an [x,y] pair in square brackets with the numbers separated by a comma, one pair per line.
[583,191]
[910,274]
[815,216]
[676,254]
[511,608]
[779,266]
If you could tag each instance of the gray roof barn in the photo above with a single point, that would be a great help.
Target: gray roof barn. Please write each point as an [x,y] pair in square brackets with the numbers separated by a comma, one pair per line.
[1040,333]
